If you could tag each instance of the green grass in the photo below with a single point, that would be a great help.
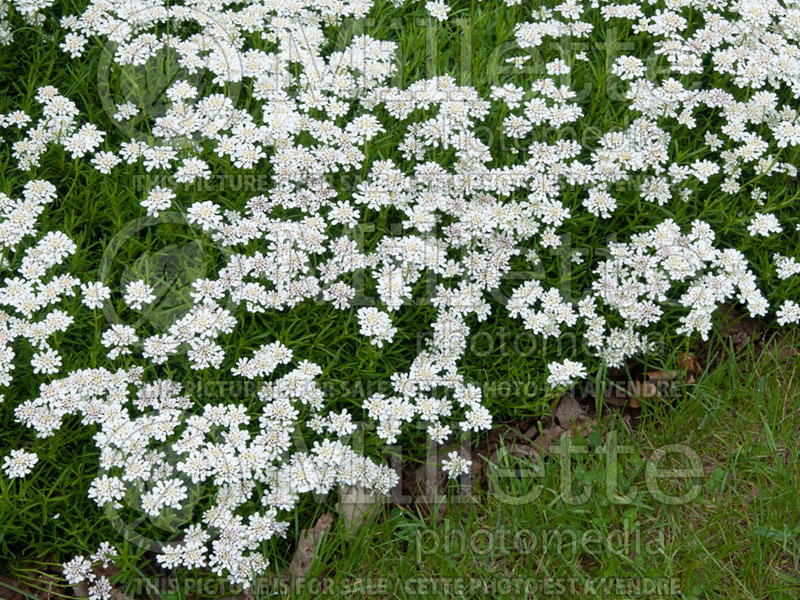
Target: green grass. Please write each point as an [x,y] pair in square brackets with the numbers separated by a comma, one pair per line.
[736,536]
[739,538]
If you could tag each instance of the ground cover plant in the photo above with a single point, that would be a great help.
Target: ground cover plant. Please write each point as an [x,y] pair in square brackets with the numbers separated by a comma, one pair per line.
[256,254]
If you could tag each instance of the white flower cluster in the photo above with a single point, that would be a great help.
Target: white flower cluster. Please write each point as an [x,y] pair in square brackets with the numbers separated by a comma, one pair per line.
[764,224]
[376,325]
[789,312]
[251,478]
[455,465]
[463,224]
[19,463]
[643,276]
[29,10]
[57,126]
[30,290]
[80,570]
[787,266]
[566,373]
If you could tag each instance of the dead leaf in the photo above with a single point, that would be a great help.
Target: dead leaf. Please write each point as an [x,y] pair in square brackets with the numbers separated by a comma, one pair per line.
[8,589]
[645,389]
[548,437]
[118,594]
[614,394]
[661,376]
[355,504]
[688,362]
[658,384]
[780,347]
[569,411]
[517,445]
[739,327]
[616,399]
[306,547]
[427,485]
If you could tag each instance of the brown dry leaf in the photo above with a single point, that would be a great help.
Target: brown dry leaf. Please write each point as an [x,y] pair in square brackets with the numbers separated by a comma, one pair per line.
[551,435]
[614,395]
[108,572]
[626,396]
[688,362]
[246,595]
[569,411]
[661,376]
[355,504]
[534,443]
[738,326]
[617,399]
[118,594]
[612,391]
[304,555]
[781,347]
[515,450]
[427,485]
[524,451]
[514,442]
[9,587]
[645,389]
[500,435]
[548,437]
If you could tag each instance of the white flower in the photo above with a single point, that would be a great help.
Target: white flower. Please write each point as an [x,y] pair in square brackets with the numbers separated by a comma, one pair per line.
[476,419]
[138,293]
[100,589]
[191,169]
[158,199]
[125,111]
[565,373]
[47,362]
[786,266]
[119,338]
[105,490]
[600,203]
[104,554]
[789,312]
[19,463]
[74,44]
[105,161]
[455,465]
[703,169]
[764,224]
[339,294]
[85,140]
[628,67]
[77,570]
[170,493]
[376,325]
[95,294]
[438,9]
[341,424]
[206,214]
